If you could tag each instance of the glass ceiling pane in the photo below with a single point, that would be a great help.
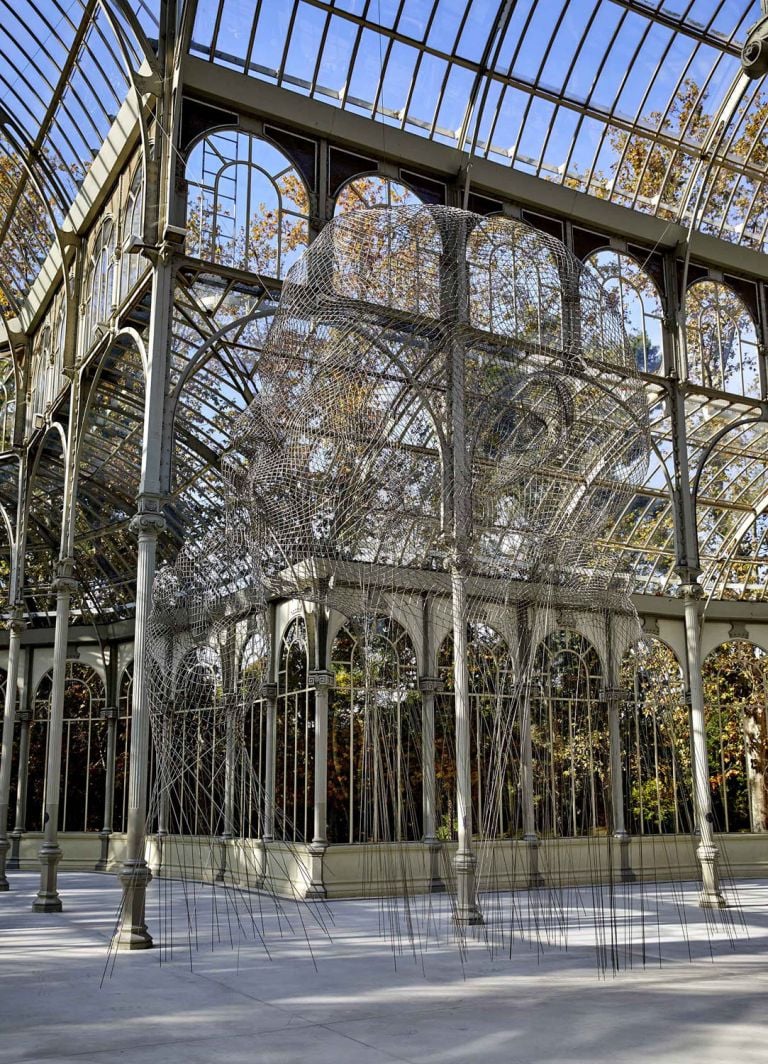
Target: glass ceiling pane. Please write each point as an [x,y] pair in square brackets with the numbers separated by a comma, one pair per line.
[656,68]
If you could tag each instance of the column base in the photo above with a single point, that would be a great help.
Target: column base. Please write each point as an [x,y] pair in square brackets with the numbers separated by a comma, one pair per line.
[467,912]
[221,871]
[709,896]
[103,861]
[4,848]
[709,900]
[626,875]
[535,879]
[14,861]
[48,900]
[316,886]
[434,883]
[132,930]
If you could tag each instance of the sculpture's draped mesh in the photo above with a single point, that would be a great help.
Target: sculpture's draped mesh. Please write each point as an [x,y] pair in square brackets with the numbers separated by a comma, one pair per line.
[442,397]
[404,330]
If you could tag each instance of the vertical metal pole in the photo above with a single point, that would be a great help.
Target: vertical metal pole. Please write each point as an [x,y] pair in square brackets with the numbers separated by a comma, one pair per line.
[524,670]
[428,686]
[148,522]
[269,691]
[323,682]
[707,853]
[467,911]
[132,931]
[109,714]
[613,697]
[48,900]
[16,627]
[24,717]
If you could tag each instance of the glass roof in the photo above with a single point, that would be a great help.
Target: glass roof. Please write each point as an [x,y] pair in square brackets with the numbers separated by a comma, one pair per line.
[618,98]
[64,74]
[621,99]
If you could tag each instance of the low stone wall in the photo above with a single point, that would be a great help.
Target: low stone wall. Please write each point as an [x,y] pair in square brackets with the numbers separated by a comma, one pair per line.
[367,870]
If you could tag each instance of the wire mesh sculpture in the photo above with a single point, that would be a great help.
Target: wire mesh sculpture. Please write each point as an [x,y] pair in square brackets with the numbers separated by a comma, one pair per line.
[448,413]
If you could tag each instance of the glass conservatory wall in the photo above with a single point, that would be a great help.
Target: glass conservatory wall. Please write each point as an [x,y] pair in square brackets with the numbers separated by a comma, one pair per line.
[122,749]
[656,745]
[84,745]
[736,697]
[569,727]
[295,729]
[634,295]
[99,283]
[247,206]
[721,340]
[374,755]
[253,670]
[494,736]
[191,800]
[7,402]
[133,265]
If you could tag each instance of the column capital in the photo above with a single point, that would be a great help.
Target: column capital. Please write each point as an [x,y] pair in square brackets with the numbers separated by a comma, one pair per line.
[109,713]
[24,716]
[16,622]
[269,691]
[64,580]
[147,521]
[430,685]
[322,678]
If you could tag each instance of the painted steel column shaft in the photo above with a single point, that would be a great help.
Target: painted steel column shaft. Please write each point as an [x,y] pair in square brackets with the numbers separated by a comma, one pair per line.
[467,911]
[110,716]
[48,899]
[323,682]
[428,686]
[707,852]
[132,931]
[269,691]
[24,717]
[16,627]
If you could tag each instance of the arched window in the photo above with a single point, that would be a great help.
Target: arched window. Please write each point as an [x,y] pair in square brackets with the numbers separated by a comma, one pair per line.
[122,748]
[374,756]
[43,362]
[7,402]
[494,736]
[295,728]
[56,379]
[374,191]
[248,206]
[569,728]
[381,262]
[656,747]
[720,339]
[735,698]
[190,745]
[15,753]
[83,747]
[133,265]
[99,282]
[633,294]
[515,285]
[254,664]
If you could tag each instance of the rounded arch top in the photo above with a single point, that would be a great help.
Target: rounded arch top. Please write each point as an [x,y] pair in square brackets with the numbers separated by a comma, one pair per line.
[248,206]
[374,190]
[632,292]
[721,339]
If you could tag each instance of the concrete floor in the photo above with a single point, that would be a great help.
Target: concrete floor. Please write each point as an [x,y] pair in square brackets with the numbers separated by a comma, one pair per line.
[364,1004]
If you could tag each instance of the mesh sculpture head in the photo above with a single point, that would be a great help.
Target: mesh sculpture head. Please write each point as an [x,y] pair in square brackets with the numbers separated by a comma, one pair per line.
[436,383]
